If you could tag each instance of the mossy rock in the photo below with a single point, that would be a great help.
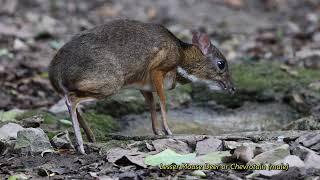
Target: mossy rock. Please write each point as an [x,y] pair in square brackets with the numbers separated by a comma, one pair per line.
[122,103]
[130,101]
[179,96]
[259,81]
[47,117]
[100,124]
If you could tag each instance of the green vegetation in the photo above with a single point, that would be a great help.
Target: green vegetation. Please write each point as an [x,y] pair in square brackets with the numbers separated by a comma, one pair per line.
[101,124]
[259,81]
[262,76]
[47,117]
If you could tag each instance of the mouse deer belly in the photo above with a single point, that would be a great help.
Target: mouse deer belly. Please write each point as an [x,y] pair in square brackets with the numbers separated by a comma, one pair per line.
[169,83]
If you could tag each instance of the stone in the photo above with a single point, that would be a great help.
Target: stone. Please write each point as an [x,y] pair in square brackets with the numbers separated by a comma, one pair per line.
[315,85]
[208,145]
[173,144]
[33,122]
[32,140]
[312,160]
[9,131]
[309,139]
[19,45]
[62,141]
[291,160]
[305,123]
[243,153]
[271,156]
[265,146]
[59,108]
[300,151]
[316,37]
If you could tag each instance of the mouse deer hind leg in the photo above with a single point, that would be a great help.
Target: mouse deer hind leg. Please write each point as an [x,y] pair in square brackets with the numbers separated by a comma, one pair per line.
[157,80]
[72,103]
[85,127]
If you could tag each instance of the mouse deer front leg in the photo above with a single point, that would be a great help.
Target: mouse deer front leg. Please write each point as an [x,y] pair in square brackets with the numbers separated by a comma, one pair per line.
[157,80]
[148,96]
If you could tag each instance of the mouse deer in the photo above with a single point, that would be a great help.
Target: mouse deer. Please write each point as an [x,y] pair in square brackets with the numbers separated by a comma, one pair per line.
[120,54]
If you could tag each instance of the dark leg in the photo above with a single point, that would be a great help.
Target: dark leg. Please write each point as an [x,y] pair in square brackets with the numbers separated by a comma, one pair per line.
[148,96]
[86,128]
[157,79]
[72,107]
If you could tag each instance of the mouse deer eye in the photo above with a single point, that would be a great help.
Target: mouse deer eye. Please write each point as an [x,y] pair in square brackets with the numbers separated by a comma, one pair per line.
[221,64]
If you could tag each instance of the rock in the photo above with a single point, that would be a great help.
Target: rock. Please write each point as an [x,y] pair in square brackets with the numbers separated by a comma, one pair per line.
[59,108]
[243,153]
[19,45]
[309,139]
[33,122]
[262,147]
[312,160]
[310,58]
[173,144]
[300,151]
[272,155]
[8,6]
[305,123]
[291,160]
[125,102]
[62,141]
[292,28]
[315,86]
[208,145]
[9,131]
[316,37]
[32,140]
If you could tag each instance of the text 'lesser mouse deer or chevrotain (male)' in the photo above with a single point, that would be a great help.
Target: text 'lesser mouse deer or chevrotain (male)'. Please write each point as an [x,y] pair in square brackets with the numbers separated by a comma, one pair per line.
[129,54]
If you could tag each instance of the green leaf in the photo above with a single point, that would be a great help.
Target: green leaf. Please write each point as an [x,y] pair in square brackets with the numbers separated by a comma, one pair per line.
[199,173]
[18,177]
[168,157]
[65,122]
[55,44]
[214,157]
[10,115]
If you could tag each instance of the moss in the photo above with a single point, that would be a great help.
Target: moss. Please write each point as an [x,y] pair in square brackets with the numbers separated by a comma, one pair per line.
[259,81]
[127,101]
[47,117]
[101,124]
[261,76]
[181,95]
[51,134]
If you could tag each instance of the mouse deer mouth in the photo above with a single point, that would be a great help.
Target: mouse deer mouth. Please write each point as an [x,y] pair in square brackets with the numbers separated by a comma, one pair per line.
[219,85]
[216,85]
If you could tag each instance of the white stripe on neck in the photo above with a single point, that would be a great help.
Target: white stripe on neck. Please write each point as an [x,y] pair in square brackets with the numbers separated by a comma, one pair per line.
[186,75]
[211,84]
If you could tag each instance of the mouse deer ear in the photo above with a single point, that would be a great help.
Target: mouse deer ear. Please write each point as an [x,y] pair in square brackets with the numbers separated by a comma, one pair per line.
[201,40]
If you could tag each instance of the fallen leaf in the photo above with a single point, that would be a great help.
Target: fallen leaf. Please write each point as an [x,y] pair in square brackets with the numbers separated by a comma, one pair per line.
[211,158]
[48,151]
[289,70]
[134,156]
[198,173]
[168,157]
